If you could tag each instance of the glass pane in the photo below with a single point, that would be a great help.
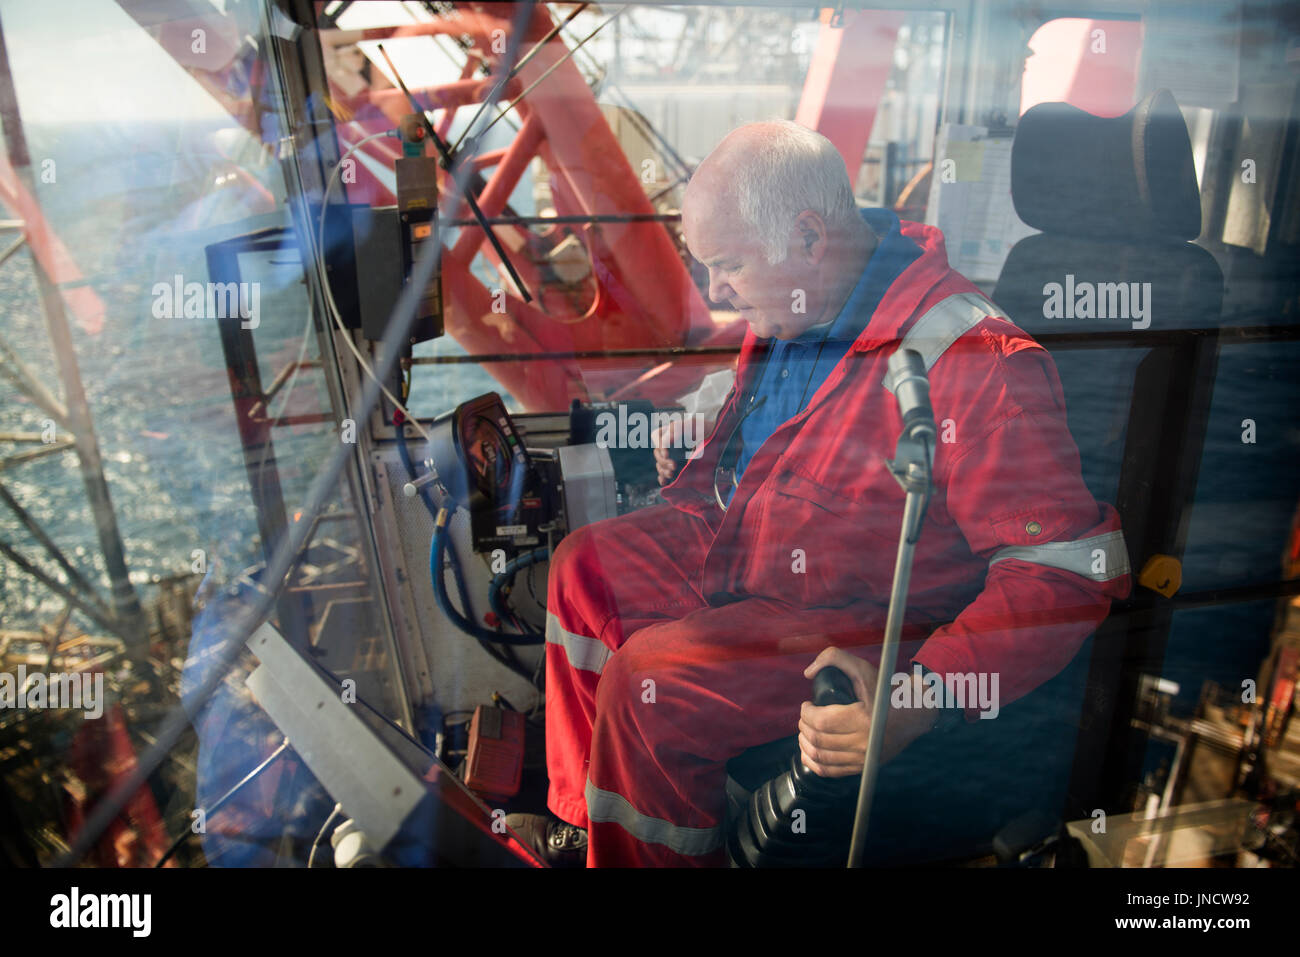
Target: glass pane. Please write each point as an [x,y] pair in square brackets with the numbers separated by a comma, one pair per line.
[472,421]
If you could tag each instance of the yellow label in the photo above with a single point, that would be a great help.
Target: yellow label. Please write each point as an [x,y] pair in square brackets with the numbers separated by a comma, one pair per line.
[1162,574]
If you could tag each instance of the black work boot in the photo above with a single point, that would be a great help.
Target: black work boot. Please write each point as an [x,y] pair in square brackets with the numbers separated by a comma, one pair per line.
[557,843]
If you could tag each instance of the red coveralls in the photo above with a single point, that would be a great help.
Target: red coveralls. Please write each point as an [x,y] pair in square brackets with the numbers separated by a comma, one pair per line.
[678,635]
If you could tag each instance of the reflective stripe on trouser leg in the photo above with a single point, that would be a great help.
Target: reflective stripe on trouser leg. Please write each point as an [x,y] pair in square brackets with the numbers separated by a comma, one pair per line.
[585,654]
[573,666]
[606,580]
[681,698]
[608,807]
[1099,558]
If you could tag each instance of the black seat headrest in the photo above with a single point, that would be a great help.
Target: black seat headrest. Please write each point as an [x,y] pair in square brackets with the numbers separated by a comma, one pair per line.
[1111,178]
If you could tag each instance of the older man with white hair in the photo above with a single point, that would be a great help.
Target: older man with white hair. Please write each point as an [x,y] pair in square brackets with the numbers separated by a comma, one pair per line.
[681,635]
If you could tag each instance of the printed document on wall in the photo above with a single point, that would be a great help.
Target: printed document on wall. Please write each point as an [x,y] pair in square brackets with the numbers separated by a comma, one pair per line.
[970,200]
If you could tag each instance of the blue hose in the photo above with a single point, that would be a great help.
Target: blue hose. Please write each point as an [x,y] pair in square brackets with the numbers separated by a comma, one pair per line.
[439,547]
[512,568]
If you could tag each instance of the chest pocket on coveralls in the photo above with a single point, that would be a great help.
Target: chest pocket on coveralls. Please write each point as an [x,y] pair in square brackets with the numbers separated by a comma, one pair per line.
[816,548]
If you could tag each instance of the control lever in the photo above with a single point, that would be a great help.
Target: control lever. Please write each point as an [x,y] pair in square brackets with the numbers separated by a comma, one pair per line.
[830,686]
[798,818]
[412,489]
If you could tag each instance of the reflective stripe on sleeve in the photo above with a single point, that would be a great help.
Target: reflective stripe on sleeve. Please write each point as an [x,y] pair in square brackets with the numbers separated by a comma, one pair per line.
[586,654]
[1079,557]
[608,807]
[944,324]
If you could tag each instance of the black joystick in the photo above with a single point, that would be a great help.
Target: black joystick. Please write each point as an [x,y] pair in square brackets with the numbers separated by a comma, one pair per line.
[832,686]
[798,818]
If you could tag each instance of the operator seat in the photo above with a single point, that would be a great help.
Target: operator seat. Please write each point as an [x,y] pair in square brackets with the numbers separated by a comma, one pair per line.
[1117,202]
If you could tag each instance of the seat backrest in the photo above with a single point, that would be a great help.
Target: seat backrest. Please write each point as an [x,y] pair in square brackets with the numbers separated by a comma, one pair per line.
[1117,202]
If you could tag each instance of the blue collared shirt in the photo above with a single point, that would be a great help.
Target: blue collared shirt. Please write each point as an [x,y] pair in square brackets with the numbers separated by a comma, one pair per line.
[795,369]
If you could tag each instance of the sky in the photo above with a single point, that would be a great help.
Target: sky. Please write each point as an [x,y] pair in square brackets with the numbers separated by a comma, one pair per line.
[86,60]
